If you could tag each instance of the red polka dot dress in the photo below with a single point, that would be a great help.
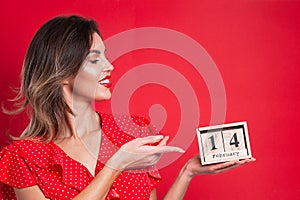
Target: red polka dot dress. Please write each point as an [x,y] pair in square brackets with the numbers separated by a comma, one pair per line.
[27,163]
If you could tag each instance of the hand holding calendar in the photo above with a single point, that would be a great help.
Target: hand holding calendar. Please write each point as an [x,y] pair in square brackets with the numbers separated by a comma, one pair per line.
[194,167]
[222,143]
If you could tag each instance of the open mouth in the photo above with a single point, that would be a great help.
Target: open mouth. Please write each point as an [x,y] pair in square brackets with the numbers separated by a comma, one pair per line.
[105,82]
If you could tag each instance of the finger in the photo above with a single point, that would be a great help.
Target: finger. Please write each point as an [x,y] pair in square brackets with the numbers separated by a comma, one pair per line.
[167,149]
[252,159]
[163,142]
[226,169]
[234,164]
[224,165]
[245,161]
[150,139]
[242,162]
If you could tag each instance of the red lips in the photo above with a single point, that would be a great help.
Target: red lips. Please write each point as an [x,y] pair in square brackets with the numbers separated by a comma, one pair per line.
[105,82]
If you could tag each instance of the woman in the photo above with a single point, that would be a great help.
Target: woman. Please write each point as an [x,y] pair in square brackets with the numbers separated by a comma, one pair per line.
[64,72]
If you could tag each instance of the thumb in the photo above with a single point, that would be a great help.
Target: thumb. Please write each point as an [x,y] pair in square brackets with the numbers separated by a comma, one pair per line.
[163,142]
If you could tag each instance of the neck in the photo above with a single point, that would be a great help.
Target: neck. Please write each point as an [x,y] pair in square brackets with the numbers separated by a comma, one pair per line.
[85,120]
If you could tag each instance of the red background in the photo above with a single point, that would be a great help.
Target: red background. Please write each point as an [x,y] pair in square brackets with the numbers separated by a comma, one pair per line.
[255,45]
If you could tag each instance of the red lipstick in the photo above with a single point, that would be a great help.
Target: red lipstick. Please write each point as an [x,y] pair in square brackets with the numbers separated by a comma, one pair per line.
[105,82]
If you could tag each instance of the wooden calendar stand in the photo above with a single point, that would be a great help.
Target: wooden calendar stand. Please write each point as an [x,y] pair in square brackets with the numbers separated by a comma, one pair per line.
[223,143]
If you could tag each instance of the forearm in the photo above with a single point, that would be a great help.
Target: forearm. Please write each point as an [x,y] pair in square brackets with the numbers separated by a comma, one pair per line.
[100,186]
[179,187]
[96,190]
[153,195]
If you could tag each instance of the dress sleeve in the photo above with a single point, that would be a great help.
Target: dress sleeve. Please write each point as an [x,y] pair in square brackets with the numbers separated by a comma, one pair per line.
[154,176]
[14,170]
[146,128]
[119,130]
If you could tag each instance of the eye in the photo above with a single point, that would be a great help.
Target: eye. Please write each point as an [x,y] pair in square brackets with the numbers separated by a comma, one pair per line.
[95,61]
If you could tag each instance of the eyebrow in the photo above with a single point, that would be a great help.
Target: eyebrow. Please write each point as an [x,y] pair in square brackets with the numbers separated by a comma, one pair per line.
[96,51]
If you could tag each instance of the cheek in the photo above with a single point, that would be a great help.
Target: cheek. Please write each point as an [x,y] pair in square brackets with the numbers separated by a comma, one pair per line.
[86,81]
[90,72]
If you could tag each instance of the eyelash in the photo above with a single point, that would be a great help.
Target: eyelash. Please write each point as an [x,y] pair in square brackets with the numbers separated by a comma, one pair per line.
[95,61]
[98,59]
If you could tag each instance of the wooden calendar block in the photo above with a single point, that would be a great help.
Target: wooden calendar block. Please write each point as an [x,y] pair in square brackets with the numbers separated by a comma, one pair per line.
[223,143]
[234,141]
[212,144]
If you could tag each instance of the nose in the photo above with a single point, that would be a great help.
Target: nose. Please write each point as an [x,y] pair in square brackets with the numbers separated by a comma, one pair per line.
[109,67]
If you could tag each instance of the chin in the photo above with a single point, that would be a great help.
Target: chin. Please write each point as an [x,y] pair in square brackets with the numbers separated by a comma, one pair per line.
[103,97]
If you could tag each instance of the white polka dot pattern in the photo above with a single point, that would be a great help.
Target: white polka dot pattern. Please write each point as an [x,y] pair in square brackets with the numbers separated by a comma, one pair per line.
[26,163]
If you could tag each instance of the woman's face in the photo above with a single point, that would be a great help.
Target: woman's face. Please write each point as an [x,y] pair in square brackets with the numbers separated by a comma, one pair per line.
[93,79]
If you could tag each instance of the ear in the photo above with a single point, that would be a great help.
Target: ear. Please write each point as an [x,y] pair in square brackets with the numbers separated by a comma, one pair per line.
[67,89]
[68,81]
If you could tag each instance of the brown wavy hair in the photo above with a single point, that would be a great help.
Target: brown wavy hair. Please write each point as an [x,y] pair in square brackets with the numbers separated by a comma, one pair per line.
[56,53]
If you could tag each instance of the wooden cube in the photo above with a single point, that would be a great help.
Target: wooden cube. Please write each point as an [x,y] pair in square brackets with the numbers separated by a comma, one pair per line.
[223,143]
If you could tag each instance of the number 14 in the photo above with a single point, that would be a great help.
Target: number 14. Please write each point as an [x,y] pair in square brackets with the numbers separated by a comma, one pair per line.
[233,141]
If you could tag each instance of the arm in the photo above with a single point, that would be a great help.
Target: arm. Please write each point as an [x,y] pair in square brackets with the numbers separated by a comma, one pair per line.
[193,168]
[32,192]
[179,187]
[134,154]
[97,189]
[153,195]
